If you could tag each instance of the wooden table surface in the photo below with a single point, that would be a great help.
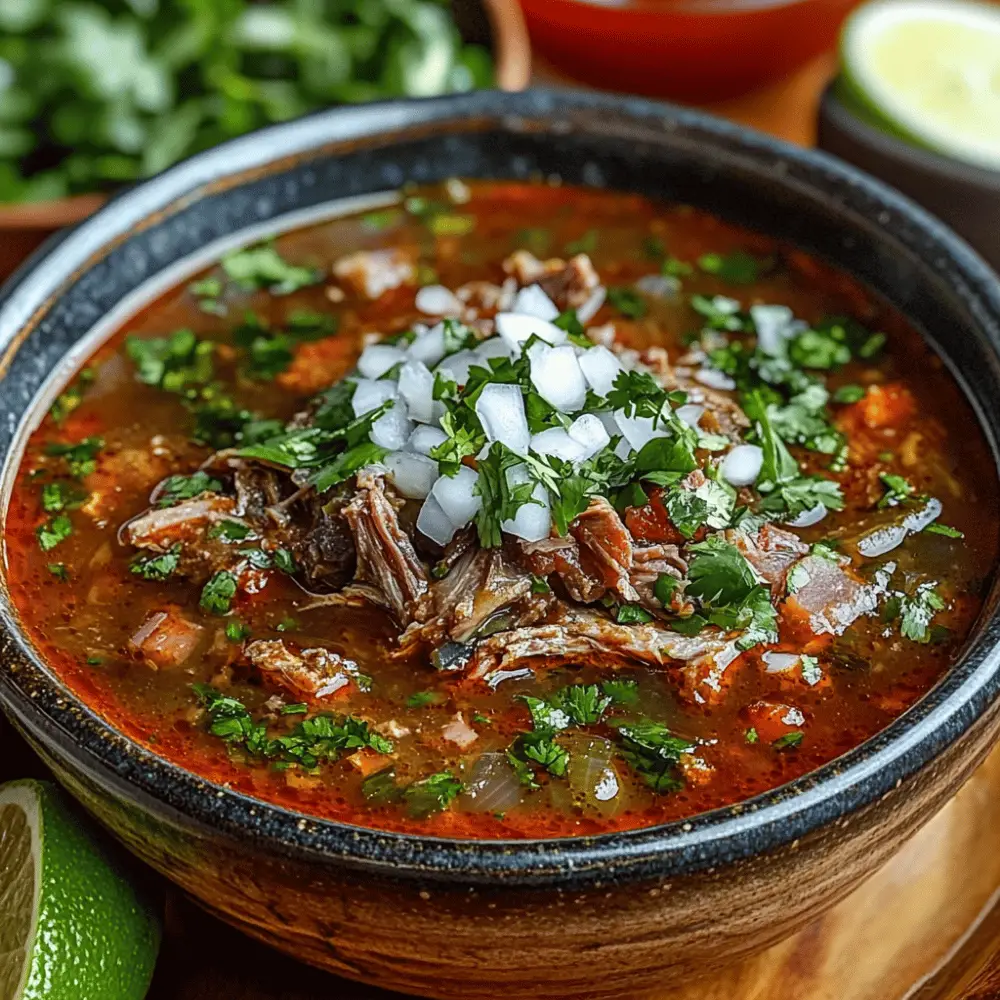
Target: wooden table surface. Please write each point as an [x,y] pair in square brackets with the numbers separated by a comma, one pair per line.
[926,927]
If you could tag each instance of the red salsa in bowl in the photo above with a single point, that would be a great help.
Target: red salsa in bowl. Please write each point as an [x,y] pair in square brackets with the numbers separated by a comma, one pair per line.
[506,511]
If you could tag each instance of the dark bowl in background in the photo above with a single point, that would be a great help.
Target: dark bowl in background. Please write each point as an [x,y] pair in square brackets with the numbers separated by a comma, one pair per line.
[963,195]
[609,916]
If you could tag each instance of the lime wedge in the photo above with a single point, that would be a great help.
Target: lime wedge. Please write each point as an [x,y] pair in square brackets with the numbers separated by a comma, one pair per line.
[928,71]
[71,926]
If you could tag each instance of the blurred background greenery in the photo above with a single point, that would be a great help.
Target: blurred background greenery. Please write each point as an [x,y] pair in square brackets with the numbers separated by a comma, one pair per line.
[97,93]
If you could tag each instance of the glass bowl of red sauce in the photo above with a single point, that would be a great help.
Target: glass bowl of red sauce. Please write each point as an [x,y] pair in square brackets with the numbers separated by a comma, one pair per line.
[690,50]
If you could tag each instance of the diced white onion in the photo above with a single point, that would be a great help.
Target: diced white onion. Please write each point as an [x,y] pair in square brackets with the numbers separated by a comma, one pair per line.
[433,522]
[532,521]
[370,395]
[773,326]
[638,431]
[516,328]
[589,432]
[810,517]
[436,300]
[377,359]
[590,308]
[428,347]
[557,376]
[690,414]
[413,475]
[600,368]
[416,386]
[456,497]
[424,439]
[500,408]
[457,365]
[714,379]
[532,301]
[659,286]
[742,465]
[492,347]
[779,663]
[555,441]
[392,429]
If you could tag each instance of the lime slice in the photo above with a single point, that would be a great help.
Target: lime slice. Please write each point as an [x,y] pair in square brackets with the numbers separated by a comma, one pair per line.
[928,71]
[71,927]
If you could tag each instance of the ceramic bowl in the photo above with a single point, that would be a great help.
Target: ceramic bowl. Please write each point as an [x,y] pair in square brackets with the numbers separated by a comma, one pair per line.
[616,915]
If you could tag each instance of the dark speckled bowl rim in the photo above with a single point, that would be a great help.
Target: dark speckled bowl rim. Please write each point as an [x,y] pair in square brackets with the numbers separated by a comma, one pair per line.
[710,840]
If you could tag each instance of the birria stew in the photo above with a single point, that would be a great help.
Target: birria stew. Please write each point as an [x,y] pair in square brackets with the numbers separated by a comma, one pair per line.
[507,510]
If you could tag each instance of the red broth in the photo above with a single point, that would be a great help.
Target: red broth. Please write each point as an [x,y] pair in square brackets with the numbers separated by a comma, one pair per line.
[909,435]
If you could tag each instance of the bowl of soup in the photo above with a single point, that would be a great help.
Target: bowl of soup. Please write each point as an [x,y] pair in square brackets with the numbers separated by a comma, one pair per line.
[450,537]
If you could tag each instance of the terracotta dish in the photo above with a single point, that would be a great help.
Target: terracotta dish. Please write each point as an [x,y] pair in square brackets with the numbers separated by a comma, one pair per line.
[448,917]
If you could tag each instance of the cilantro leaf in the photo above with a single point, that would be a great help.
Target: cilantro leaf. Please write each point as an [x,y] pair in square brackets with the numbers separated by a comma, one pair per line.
[261,266]
[431,794]
[654,752]
[176,488]
[156,567]
[628,302]
[718,573]
[53,532]
[80,458]
[218,593]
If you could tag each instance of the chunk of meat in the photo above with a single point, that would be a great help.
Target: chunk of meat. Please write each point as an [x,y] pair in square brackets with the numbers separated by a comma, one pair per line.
[325,547]
[605,547]
[166,640]
[582,636]
[568,283]
[308,673]
[258,490]
[484,296]
[120,473]
[371,273]
[386,558]
[459,732]
[161,529]
[483,592]
[771,551]
[706,679]
[829,596]
[561,557]
[649,563]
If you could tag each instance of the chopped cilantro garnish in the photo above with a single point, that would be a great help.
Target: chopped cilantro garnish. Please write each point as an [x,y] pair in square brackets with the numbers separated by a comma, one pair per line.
[262,266]
[718,573]
[432,794]
[934,528]
[789,741]
[420,699]
[916,612]
[59,571]
[587,243]
[849,394]
[539,585]
[230,531]
[621,692]
[751,736]
[156,567]
[654,752]
[72,396]
[54,532]
[237,631]
[177,488]
[80,458]
[632,614]
[175,363]
[665,588]
[218,593]
[313,740]
[59,496]
[897,489]
[736,268]
[628,302]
